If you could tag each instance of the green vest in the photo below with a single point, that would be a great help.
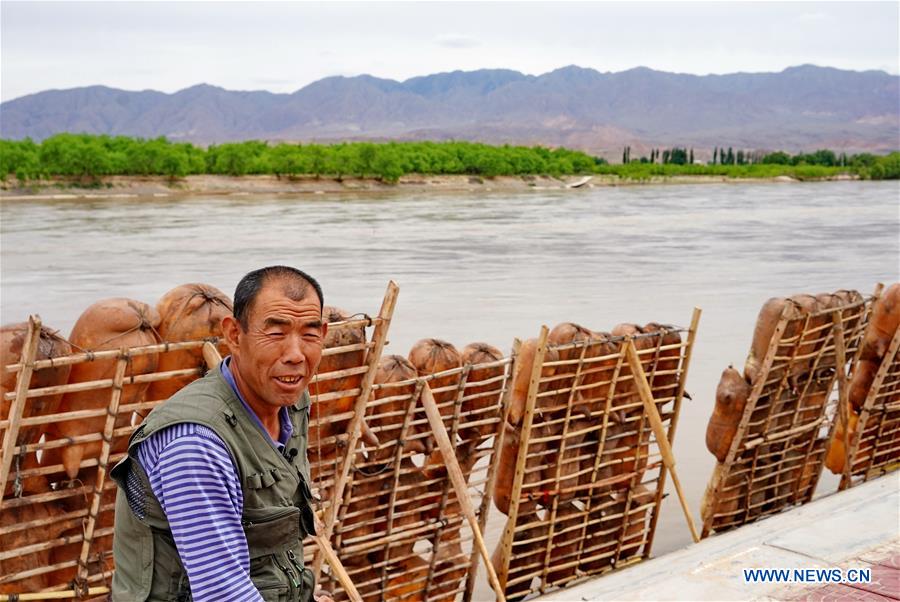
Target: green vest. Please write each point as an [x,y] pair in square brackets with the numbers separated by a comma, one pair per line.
[277,514]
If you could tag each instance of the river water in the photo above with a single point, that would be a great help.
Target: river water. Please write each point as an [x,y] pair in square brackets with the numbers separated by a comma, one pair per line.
[485,266]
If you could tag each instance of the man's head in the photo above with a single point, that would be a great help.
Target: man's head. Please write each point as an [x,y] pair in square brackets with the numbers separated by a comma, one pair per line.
[275,335]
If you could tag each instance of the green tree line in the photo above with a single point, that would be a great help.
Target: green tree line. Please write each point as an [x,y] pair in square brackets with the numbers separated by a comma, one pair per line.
[90,157]
[736,163]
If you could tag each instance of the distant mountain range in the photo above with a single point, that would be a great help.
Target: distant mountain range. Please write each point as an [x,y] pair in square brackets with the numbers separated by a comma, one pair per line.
[800,108]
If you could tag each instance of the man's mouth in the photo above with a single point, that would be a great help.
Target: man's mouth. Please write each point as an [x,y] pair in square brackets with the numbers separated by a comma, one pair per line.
[289,380]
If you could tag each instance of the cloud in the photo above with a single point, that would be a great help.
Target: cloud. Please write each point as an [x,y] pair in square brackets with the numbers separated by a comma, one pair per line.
[455,40]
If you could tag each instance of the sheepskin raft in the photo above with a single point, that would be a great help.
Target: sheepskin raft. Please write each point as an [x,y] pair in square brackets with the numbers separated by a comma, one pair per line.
[581,471]
[401,532]
[770,424]
[54,529]
[69,404]
[872,406]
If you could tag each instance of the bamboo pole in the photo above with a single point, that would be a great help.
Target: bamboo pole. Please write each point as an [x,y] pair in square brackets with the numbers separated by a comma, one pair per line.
[766,438]
[601,444]
[339,374]
[379,338]
[749,407]
[82,491]
[659,431]
[862,327]
[79,439]
[62,522]
[29,350]
[560,459]
[345,348]
[336,566]
[883,369]
[63,595]
[622,532]
[524,437]
[673,423]
[77,415]
[398,459]
[459,483]
[828,343]
[107,354]
[211,356]
[445,486]
[377,542]
[105,449]
[105,383]
[492,467]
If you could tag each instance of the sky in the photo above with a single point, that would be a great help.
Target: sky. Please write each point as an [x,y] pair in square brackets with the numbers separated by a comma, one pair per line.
[283,46]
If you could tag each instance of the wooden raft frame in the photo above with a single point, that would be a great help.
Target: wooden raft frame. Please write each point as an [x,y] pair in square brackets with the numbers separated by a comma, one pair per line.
[407,524]
[778,452]
[874,449]
[331,457]
[594,455]
[71,519]
[77,514]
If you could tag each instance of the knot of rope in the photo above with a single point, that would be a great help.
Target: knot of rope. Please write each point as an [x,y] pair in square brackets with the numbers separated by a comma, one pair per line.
[363,315]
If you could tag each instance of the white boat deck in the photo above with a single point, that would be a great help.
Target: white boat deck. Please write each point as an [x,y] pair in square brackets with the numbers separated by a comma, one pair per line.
[850,529]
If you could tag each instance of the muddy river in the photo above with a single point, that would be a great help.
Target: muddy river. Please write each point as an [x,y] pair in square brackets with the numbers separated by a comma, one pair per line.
[485,266]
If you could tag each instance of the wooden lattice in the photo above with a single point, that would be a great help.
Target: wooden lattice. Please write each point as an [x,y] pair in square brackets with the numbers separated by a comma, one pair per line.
[339,393]
[777,454]
[875,444]
[56,532]
[401,532]
[590,468]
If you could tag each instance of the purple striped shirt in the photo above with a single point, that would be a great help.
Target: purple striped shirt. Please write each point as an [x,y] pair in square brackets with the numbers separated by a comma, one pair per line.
[193,477]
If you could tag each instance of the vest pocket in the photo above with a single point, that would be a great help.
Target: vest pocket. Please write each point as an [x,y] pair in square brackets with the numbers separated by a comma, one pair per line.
[271,530]
[274,593]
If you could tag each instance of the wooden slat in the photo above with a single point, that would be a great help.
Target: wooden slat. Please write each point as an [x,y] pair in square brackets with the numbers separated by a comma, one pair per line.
[686,355]
[659,431]
[459,483]
[379,338]
[105,449]
[527,420]
[29,350]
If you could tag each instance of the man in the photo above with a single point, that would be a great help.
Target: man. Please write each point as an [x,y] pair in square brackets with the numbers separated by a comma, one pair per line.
[215,498]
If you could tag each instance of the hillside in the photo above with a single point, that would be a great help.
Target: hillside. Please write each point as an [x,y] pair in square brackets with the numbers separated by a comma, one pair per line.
[800,108]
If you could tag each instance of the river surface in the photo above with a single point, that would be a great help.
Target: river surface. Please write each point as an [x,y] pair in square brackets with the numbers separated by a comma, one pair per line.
[489,267]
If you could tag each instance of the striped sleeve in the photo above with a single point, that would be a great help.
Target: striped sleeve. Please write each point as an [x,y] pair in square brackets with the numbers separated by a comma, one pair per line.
[193,477]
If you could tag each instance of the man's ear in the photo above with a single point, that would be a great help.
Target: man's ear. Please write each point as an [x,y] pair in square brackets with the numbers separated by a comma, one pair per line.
[324,331]
[231,331]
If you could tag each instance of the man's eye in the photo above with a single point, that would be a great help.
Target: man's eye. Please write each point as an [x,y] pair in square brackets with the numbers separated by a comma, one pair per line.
[275,333]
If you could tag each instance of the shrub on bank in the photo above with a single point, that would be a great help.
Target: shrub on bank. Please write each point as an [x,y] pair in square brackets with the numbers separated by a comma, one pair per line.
[86,158]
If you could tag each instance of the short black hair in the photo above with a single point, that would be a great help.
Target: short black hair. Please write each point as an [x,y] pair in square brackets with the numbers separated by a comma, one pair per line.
[248,288]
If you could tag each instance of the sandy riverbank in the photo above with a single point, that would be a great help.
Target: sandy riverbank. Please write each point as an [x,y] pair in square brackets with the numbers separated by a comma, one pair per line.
[156,186]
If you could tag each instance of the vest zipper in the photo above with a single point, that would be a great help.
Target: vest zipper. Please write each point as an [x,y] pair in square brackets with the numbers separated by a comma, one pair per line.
[293,558]
[287,571]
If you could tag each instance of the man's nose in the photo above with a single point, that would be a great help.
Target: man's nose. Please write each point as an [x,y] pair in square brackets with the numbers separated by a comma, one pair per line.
[293,351]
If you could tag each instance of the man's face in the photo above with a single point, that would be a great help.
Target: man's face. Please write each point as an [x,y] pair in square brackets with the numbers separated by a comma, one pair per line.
[275,358]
